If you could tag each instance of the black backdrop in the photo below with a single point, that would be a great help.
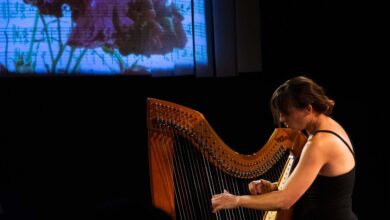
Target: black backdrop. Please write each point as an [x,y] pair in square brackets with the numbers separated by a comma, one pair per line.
[71,146]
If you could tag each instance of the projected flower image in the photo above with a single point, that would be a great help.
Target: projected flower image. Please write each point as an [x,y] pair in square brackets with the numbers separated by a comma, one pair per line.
[133,26]
[118,27]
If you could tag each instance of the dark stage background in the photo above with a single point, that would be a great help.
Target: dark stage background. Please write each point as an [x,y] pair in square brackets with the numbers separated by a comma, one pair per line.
[73,146]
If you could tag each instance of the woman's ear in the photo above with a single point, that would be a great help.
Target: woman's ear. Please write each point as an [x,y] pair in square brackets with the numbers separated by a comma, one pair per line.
[308,109]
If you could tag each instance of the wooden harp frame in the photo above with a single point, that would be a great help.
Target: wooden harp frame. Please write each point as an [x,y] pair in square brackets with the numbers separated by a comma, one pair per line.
[193,125]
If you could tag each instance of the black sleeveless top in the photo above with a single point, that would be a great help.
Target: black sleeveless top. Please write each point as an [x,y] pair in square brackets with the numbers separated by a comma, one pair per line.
[328,198]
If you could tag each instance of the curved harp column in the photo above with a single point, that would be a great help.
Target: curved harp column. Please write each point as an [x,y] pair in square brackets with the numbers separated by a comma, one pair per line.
[189,162]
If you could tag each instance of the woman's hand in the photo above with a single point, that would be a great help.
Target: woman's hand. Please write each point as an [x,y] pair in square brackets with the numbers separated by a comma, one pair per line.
[224,200]
[261,186]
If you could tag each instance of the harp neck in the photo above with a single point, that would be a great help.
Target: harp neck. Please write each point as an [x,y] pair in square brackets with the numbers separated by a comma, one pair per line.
[192,125]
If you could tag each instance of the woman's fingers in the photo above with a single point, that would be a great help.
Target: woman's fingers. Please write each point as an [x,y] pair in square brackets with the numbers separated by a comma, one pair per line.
[252,187]
[216,202]
[224,200]
[260,186]
[255,187]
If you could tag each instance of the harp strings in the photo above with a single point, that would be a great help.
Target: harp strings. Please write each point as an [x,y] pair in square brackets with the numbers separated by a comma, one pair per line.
[200,176]
[165,153]
[188,175]
[195,179]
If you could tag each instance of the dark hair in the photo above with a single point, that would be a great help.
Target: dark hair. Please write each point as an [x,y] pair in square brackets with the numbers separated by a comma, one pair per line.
[299,92]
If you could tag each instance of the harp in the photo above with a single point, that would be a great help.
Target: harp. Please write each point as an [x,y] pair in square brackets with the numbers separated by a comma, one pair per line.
[189,163]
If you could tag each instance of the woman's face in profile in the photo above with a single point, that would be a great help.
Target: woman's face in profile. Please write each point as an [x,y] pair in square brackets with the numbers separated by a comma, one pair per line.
[294,118]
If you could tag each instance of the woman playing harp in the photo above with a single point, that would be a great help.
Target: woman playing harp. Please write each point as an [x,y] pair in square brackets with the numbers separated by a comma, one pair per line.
[321,185]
